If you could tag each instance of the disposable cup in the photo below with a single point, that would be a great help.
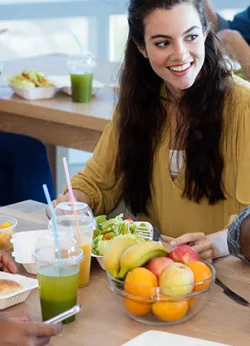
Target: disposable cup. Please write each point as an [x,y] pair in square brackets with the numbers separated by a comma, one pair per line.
[81,68]
[83,231]
[57,273]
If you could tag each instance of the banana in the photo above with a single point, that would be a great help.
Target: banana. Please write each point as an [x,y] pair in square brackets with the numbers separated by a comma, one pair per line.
[139,254]
[111,257]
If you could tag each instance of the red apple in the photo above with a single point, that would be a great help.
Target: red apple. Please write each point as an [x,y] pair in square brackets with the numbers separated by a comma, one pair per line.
[176,280]
[184,254]
[157,265]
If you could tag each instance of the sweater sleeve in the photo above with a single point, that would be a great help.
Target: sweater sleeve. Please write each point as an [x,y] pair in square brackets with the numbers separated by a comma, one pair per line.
[97,179]
[243,154]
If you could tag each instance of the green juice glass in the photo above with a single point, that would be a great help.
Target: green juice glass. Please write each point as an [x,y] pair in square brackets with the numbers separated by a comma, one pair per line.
[57,273]
[81,87]
[81,67]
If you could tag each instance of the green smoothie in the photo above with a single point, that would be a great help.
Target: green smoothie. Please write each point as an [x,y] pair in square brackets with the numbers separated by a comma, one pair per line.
[58,290]
[81,87]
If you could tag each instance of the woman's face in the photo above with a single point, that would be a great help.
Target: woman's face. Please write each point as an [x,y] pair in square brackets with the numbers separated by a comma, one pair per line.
[175,45]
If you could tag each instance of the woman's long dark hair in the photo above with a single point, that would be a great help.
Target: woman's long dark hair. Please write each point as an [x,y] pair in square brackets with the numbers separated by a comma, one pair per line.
[143,116]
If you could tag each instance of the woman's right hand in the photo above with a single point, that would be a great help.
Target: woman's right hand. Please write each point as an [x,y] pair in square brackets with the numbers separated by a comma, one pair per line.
[60,199]
[79,196]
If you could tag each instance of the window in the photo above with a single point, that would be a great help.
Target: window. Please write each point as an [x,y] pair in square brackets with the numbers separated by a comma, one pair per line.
[118,36]
[38,37]
[229,13]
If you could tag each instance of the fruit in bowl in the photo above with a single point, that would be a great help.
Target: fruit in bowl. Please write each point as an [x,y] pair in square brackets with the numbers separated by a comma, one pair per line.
[154,289]
[7,226]
[177,280]
[184,254]
[157,265]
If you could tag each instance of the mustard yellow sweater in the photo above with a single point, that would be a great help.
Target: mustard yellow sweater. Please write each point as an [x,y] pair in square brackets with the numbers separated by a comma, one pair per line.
[168,211]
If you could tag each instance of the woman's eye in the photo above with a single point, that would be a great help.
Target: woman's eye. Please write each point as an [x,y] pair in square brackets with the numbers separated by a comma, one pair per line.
[162,44]
[192,37]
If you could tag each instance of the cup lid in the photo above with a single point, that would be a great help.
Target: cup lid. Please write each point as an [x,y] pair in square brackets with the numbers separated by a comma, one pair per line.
[67,206]
[46,250]
[81,63]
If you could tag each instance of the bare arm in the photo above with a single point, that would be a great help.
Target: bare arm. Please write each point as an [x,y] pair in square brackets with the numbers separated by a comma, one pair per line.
[237,47]
[245,238]
[232,40]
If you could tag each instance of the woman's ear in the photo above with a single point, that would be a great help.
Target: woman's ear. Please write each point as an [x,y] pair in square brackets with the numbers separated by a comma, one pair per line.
[142,50]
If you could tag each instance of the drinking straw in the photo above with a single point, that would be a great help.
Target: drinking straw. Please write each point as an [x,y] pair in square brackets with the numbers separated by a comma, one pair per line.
[53,218]
[77,40]
[71,196]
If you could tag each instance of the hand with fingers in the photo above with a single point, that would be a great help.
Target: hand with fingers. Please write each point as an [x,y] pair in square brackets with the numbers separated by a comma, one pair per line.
[78,195]
[165,240]
[198,241]
[60,199]
[18,331]
[6,263]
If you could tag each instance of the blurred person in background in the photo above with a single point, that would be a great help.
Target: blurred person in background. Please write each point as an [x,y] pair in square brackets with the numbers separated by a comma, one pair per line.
[24,167]
[234,35]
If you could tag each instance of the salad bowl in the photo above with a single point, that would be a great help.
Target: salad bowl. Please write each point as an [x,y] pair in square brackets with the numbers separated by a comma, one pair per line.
[118,227]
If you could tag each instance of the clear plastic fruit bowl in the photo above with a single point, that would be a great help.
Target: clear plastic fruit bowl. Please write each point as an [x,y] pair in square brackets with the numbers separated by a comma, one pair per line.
[7,227]
[160,309]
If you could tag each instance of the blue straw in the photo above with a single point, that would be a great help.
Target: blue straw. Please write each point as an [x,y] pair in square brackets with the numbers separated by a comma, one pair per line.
[53,218]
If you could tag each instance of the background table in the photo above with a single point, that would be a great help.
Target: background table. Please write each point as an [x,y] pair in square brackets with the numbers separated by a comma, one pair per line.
[58,121]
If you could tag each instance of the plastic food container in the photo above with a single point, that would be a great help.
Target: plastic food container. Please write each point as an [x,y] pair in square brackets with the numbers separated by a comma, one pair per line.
[24,246]
[7,226]
[38,93]
[19,296]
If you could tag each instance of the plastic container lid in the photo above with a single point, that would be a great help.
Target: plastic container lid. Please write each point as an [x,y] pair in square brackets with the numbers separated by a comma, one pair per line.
[46,252]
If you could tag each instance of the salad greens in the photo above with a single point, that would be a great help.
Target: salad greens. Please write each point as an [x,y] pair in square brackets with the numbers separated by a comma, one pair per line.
[29,79]
[108,230]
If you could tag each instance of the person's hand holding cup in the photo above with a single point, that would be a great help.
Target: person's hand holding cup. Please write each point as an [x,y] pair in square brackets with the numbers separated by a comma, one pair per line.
[81,67]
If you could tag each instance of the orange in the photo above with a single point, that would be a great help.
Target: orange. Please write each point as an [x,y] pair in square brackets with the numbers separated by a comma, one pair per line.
[136,308]
[170,311]
[191,302]
[141,282]
[201,272]
[5,224]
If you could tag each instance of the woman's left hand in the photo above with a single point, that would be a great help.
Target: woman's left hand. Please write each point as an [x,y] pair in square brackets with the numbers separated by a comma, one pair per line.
[199,242]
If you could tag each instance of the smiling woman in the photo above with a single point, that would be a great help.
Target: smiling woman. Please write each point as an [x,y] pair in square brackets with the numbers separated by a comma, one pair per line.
[177,147]
[179,52]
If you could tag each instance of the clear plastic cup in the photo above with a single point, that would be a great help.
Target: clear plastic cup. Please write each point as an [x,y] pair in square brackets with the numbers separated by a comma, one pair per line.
[81,67]
[57,276]
[65,208]
[83,232]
